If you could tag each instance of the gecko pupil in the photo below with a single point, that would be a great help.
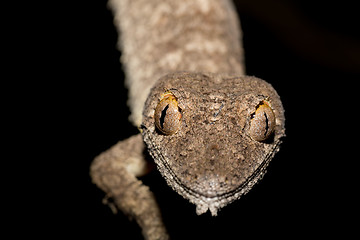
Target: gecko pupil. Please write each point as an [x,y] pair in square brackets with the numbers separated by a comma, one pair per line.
[266,124]
[163,114]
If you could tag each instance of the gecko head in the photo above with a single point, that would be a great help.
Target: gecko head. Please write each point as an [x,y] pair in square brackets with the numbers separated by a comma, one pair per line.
[212,136]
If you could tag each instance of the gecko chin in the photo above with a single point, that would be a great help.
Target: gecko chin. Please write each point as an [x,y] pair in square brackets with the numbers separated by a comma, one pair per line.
[212,136]
[209,182]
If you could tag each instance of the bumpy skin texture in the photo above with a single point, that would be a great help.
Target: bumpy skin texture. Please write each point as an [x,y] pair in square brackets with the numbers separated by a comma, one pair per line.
[115,171]
[162,36]
[212,160]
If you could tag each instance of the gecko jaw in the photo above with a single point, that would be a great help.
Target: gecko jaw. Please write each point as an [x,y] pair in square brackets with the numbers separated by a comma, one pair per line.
[206,200]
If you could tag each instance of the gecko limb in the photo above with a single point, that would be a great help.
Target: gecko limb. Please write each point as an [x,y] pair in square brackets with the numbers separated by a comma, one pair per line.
[115,171]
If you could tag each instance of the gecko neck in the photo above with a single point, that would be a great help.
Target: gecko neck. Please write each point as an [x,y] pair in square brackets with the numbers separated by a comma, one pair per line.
[163,36]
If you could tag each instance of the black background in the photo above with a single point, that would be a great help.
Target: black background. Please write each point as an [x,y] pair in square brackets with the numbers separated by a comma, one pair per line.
[309,52]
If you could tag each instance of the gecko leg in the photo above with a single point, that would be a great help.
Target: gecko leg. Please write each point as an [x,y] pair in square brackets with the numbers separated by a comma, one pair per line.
[115,171]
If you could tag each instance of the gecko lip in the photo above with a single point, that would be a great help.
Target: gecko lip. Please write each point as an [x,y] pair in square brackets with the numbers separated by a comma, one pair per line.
[209,191]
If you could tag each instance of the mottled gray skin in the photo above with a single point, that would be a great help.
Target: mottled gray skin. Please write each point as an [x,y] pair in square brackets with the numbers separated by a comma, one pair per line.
[212,160]
[162,36]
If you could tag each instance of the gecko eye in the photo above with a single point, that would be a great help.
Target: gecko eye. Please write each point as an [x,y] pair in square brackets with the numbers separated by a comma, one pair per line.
[262,122]
[168,114]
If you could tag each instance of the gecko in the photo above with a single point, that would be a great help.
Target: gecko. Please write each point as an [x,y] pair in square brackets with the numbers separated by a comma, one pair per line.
[210,129]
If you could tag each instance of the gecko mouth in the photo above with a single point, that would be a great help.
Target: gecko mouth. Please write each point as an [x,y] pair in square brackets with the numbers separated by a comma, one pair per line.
[214,197]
